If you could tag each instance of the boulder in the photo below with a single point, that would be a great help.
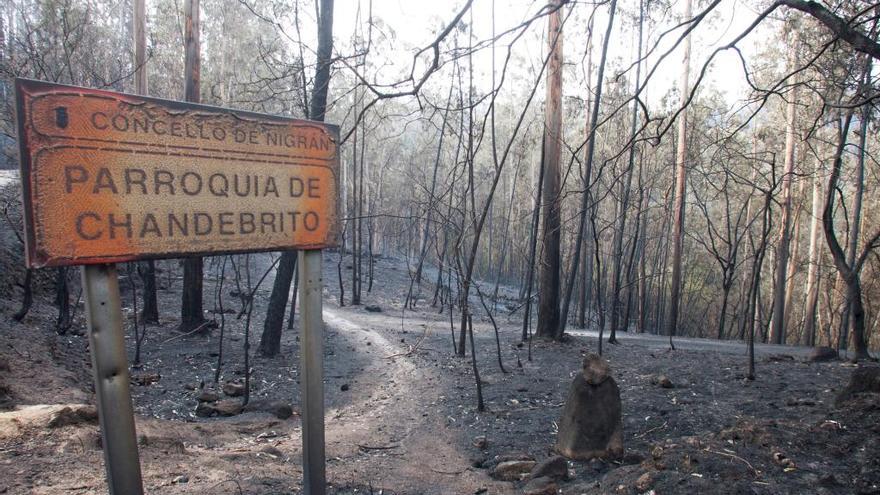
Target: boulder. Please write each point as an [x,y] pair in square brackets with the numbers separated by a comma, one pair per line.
[864,380]
[591,425]
[820,354]
[555,468]
[541,486]
[512,470]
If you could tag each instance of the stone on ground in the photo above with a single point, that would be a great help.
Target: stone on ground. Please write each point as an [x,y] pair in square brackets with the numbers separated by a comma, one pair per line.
[512,470]
[592,424]
[233,389]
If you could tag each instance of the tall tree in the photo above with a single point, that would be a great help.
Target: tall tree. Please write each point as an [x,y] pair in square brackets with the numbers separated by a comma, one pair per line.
[680,184]
[548,297]
[146,269]
[586,197]
[270,341]
[777,331]
[623,195]
[191,314]
[849,273]
[814,266]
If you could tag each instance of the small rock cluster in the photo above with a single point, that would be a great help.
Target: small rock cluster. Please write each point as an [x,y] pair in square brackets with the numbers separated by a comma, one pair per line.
[210,403]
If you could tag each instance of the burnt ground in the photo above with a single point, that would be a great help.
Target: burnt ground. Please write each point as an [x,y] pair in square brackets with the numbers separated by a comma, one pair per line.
[401,409]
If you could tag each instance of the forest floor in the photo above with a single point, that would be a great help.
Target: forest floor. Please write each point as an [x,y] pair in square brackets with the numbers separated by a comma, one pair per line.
[401,408]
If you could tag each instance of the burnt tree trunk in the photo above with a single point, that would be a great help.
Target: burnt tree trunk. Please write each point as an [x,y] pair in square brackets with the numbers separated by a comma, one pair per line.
[287,263]
[191,312]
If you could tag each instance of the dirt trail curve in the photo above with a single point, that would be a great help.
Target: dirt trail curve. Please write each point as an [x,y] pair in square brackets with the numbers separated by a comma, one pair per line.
[389,434]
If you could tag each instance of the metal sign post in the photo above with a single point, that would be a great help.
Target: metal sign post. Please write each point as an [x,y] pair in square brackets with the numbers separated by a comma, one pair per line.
[110,369]
[311,378]
[110,177]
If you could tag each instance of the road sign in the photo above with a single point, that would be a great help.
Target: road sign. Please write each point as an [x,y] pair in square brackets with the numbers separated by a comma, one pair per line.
[111,177]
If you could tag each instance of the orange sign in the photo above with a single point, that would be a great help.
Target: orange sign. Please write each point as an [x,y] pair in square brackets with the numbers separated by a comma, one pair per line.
[110,177]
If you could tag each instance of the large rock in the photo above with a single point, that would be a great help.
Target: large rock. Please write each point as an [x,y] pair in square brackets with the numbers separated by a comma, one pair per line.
[865,379]
[592,424]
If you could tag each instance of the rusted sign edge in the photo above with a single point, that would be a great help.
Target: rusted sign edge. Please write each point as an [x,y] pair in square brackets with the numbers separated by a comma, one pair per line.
[35,258]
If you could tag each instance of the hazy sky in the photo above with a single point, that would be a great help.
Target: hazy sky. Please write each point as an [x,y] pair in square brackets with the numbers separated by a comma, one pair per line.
[416,23]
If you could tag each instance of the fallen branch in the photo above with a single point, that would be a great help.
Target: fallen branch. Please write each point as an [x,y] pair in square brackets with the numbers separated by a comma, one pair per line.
[203,325]
[734,456]
[640,435]
[378,447]
[412,348]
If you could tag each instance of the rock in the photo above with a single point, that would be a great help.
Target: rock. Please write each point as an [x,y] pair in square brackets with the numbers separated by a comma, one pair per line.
[74,415]
[277,408]
[541,486]
[373,309]
[591,424]
[512,470]
[180,479]
[481,442]
[662,381]
[821,354]
[4,365]
[595,370]
[645,481]
[865,379]
[219,408]
[207,396]
[478,461]
[782,460]
[146,379]
[233,389]
[555,468]
[345,387]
